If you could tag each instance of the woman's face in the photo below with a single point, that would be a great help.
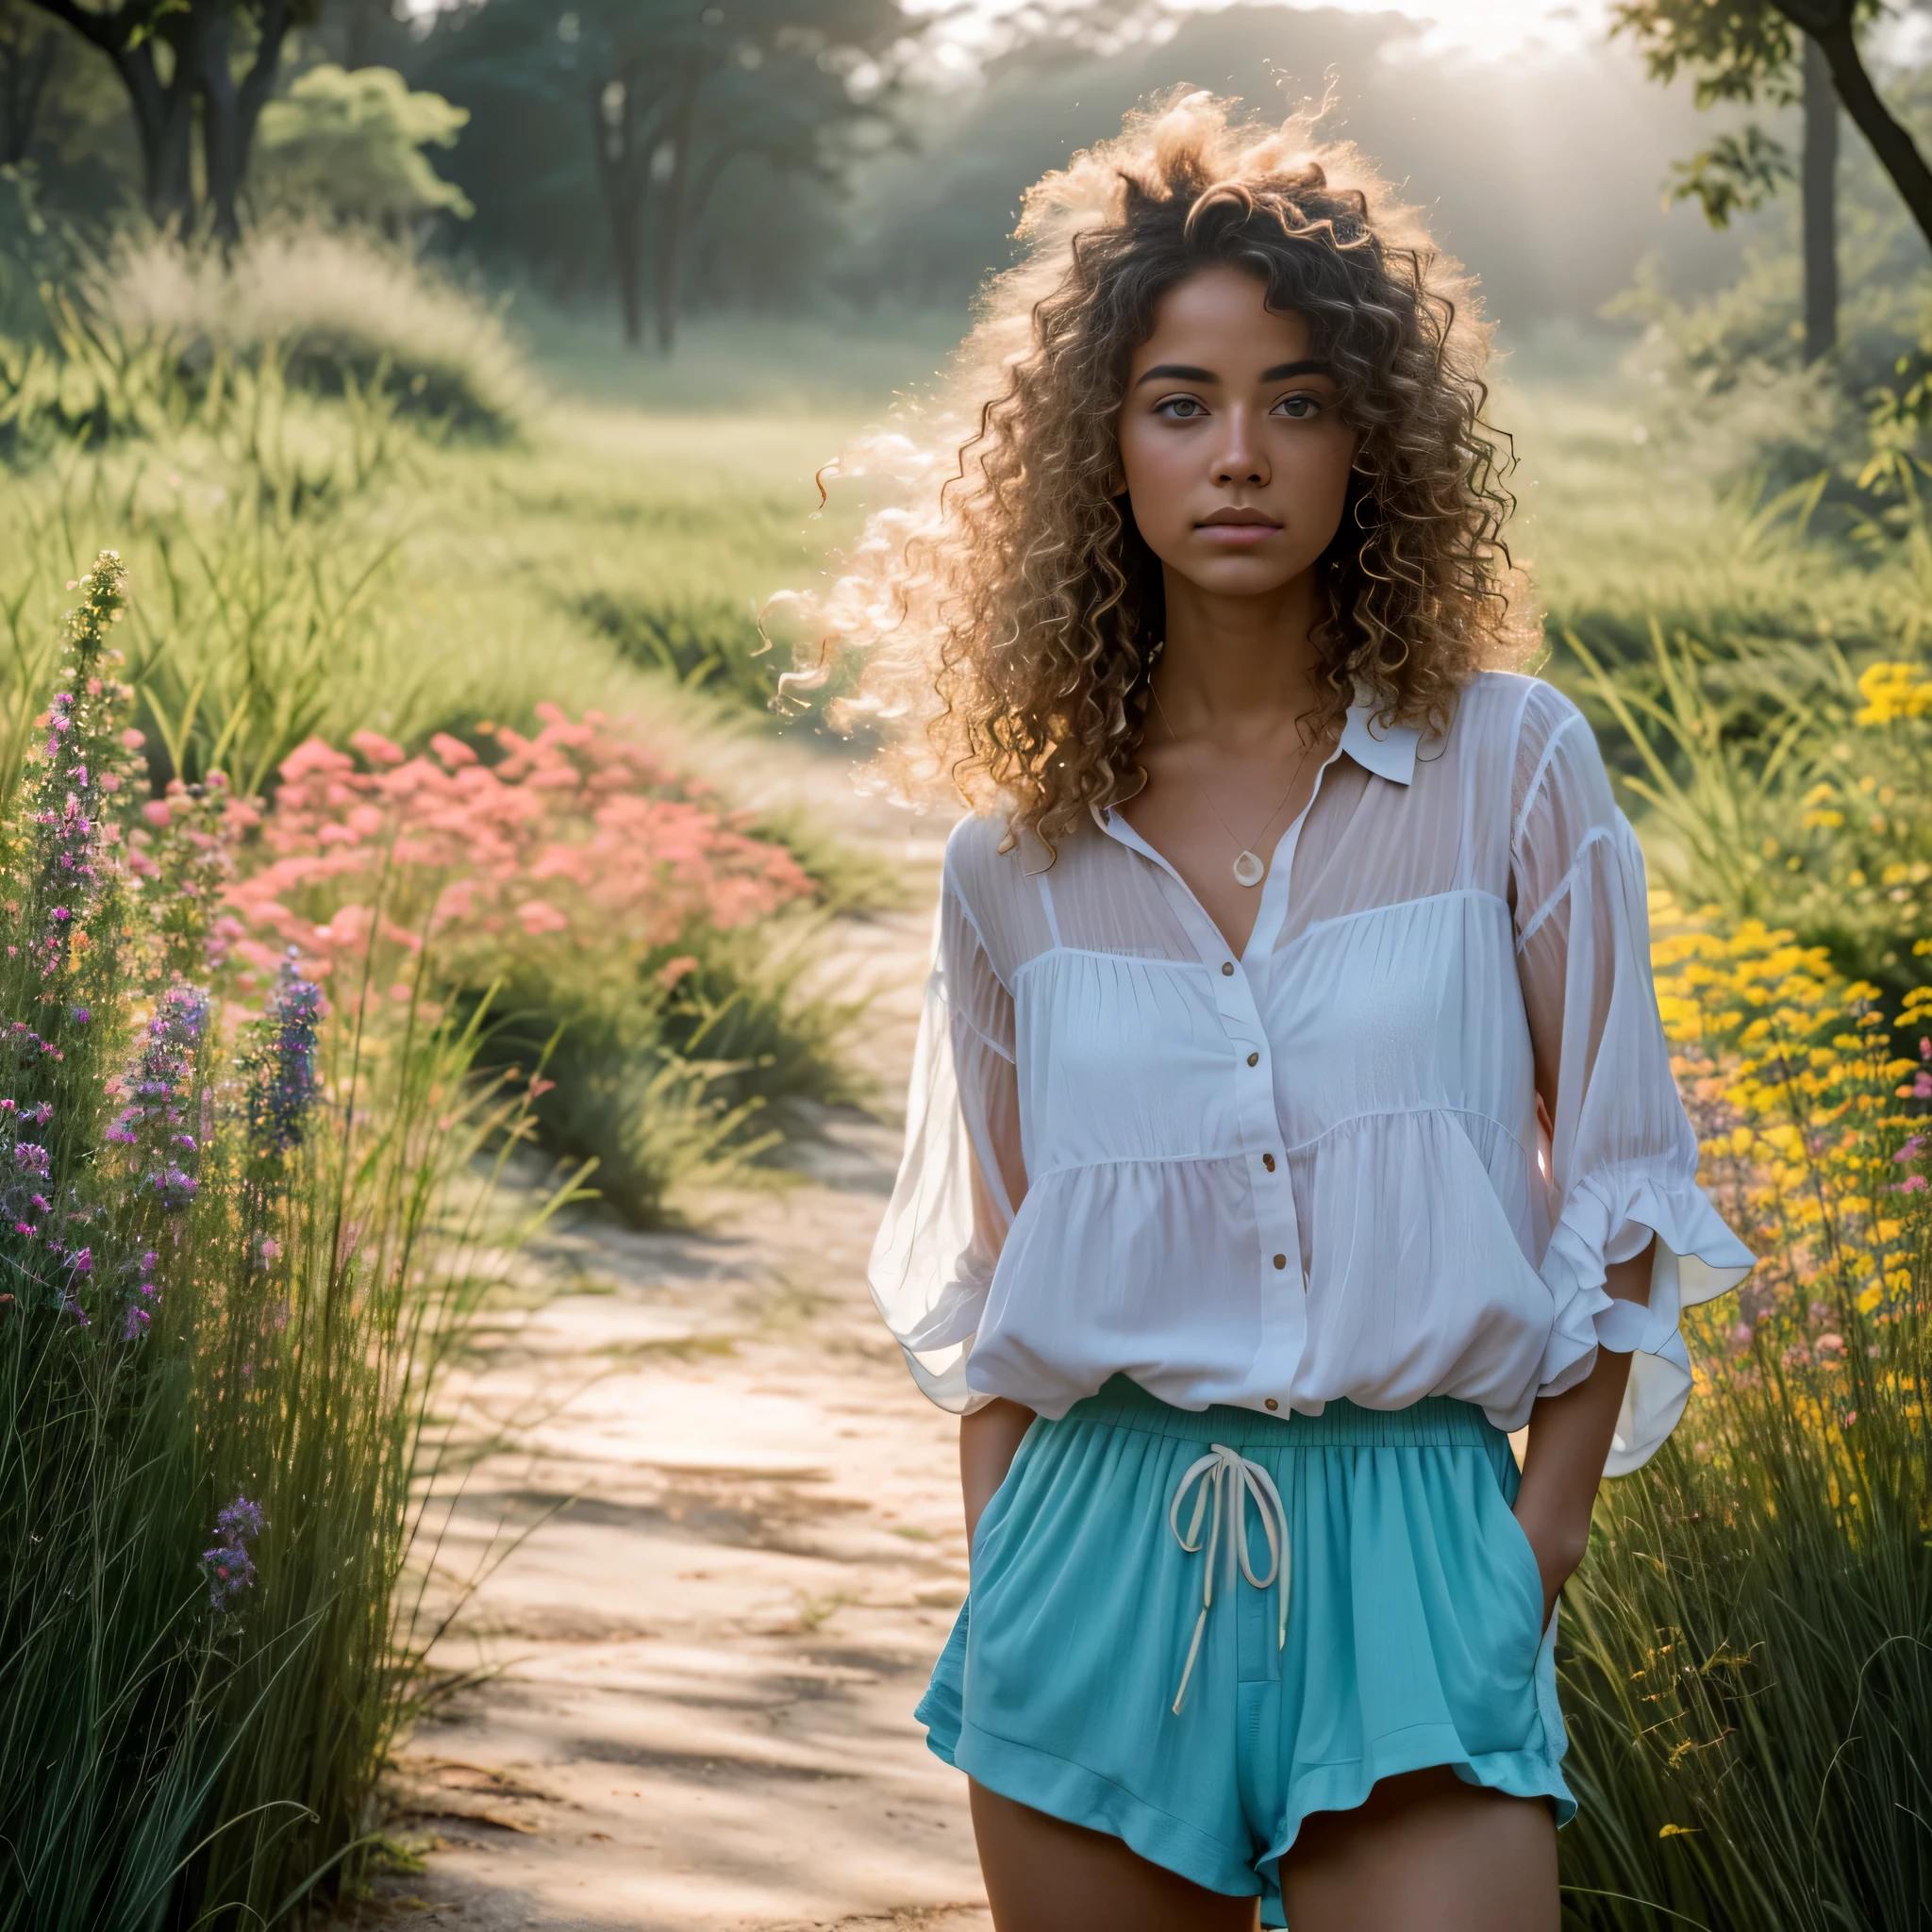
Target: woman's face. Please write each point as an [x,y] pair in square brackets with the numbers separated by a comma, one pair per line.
[1236,455]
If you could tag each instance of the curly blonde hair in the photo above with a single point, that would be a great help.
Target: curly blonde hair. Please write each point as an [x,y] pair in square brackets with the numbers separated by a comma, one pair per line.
[1015,604]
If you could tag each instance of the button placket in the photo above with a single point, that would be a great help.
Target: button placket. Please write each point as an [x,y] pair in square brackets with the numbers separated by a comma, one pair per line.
[1282,1292]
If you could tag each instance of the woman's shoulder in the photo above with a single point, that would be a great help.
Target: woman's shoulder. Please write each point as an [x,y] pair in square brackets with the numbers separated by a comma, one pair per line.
[1510,703]
[985,856]
[1509,721]
[990,860]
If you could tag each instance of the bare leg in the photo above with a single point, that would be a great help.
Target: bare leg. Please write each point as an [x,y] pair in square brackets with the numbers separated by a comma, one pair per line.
[1045,1875]
[1426,1853]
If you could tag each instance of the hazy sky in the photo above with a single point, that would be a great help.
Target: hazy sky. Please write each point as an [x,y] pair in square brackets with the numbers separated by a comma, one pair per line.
[1474,26]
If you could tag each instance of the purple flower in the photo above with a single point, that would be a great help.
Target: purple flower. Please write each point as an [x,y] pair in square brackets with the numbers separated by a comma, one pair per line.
[29,1156]
[137,1324]
[174,1188]
[229,1567]
[283,1062]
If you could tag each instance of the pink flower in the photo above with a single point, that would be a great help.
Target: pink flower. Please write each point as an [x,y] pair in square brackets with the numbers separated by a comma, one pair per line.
[132,739]
[156,813]
[377,749]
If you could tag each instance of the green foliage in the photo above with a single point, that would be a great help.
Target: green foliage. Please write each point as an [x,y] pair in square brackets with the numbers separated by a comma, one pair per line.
[675,1071]
[333,305]
[712,646]
[1736,175]
[352,144]
[1736,52]
[229,1291]
[1747,1664]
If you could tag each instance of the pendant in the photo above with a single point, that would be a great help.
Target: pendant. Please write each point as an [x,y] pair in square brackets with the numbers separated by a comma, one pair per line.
[1249,870]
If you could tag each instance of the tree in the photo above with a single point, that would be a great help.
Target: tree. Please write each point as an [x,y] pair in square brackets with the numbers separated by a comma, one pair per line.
[197,85]
[671,94]
[352,142]
[1782,50]
[29,54]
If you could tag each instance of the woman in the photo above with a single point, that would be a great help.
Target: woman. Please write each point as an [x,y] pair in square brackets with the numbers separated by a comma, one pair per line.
[1293,1119]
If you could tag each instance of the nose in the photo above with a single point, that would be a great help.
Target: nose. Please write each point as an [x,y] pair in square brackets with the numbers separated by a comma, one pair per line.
[1240,460]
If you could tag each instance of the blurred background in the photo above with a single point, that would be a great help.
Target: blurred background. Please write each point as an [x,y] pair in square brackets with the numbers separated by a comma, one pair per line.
[454,382]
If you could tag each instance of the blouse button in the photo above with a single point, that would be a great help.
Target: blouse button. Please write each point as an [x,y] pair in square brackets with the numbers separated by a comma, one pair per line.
[1271,1403]
[1281,1260]
[1268,1161]
[1228,969]
[1254,1060]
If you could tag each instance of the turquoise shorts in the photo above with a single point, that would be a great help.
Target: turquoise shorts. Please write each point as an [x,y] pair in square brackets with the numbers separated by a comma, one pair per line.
[1329,1600]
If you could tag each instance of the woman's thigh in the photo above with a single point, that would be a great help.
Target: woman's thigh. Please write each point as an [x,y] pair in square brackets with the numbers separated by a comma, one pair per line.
[1045,1875]
[1426,1852]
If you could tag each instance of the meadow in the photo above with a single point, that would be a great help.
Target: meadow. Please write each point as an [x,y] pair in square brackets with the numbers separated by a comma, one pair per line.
[448,824]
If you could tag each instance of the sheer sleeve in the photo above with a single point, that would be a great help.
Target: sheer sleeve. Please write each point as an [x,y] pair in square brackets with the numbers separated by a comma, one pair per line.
[962,1176]
[1622,1153]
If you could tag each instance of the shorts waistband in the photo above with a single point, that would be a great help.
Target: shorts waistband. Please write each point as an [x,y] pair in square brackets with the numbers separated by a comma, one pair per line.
[1437,1422]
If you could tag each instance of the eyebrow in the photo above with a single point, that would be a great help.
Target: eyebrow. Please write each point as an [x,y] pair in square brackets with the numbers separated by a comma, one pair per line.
[1187,372]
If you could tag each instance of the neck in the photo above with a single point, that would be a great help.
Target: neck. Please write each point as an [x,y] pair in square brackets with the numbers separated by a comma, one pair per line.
[1239,660]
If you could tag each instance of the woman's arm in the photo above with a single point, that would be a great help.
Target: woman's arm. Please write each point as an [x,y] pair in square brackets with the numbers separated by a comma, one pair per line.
[1569,1441]
[989,1439]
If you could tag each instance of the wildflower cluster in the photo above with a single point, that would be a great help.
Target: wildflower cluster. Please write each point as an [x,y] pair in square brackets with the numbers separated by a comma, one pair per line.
[230,1568]
[181,855]
[576,831]
[281,1063]
[77,767]
[1851,851]
[1792,1082]
[154,1119]
[1892,691]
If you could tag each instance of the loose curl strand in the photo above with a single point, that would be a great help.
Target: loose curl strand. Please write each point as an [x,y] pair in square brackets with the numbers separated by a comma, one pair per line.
[1012,607]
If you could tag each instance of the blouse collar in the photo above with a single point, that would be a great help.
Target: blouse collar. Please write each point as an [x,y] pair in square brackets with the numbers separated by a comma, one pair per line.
[1387,750]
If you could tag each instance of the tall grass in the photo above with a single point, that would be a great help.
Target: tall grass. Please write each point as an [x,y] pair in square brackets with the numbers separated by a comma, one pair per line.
[1747,1663]
[232,1274]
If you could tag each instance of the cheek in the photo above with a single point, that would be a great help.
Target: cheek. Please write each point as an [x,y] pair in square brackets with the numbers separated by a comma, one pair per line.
[1157,477]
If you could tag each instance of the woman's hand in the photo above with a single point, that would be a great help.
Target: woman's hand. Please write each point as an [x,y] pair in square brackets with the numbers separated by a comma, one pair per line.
[989,1440]
[1569,1444]
[1556,1541]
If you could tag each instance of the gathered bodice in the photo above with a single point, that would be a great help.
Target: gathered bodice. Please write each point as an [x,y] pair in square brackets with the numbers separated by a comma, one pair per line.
[1314,1170]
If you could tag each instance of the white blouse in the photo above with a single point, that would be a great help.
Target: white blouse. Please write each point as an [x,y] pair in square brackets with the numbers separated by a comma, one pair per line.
[1315,1170]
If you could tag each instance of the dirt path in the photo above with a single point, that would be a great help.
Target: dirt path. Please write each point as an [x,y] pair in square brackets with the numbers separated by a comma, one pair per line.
[746,1554]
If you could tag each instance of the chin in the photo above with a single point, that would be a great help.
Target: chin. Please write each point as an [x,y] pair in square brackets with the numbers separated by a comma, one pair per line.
[1237,577]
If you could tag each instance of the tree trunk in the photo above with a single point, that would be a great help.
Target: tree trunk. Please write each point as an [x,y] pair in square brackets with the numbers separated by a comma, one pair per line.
[1898,154]
[164,122]
[229,113]
[28,69]
[673,218]
[163,116]
[627,259]
[1819,193]
[621,181]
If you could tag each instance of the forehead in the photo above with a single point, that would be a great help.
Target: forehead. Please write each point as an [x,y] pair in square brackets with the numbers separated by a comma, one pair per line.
[1220,320]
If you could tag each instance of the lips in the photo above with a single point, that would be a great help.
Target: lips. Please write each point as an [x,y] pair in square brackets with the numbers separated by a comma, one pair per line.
[1236,529]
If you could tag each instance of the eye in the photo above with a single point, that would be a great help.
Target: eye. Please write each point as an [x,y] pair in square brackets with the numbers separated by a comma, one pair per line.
[1299,408]
[1180,409]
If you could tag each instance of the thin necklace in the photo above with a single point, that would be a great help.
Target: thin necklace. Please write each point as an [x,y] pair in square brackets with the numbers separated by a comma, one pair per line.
[1250,868]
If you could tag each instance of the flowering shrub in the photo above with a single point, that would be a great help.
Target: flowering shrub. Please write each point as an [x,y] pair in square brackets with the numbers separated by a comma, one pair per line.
[1792,1081]
[574,832]
[1747,1663]
[202,1297]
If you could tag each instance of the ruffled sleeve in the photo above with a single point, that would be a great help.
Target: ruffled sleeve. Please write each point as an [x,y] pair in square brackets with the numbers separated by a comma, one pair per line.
[962,1176]
[1622,1153]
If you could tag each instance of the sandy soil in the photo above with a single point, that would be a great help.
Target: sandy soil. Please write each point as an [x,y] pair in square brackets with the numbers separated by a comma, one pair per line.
[741,1551]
